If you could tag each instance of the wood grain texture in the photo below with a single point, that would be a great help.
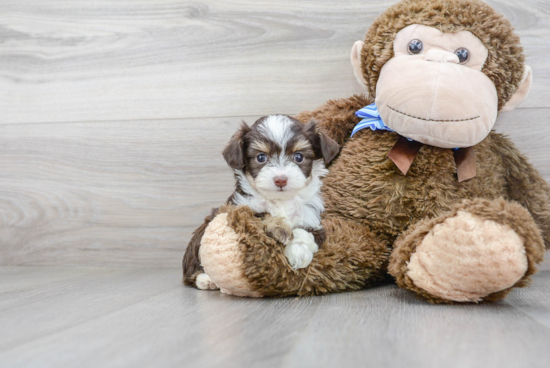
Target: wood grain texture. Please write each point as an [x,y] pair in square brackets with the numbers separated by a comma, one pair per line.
[102,317]
[131,193]
[145,59]
[387,327]
[114,114]
[114,193]
[533,301]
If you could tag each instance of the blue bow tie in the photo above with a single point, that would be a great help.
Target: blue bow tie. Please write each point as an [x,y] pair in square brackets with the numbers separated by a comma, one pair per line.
[371,119]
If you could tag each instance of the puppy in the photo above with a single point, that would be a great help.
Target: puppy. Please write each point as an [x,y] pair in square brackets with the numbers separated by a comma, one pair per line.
[278,164]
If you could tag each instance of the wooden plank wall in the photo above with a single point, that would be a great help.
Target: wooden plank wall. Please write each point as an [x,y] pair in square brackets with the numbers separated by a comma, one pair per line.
[113,114]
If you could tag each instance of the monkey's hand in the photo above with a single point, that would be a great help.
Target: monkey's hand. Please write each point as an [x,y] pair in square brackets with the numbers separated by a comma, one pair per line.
[278,228]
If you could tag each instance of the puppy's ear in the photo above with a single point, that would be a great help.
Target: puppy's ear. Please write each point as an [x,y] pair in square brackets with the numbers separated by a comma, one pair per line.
[323,146]
[329,148]
[234,151]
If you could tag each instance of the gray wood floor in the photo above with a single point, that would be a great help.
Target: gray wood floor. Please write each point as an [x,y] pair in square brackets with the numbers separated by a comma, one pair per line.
[102,317]
[113,115]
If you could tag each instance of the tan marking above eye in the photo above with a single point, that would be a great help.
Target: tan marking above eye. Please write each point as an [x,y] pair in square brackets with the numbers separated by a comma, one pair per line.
[302,144]
[260,146]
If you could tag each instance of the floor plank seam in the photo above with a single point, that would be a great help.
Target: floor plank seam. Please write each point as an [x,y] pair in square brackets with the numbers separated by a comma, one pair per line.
[137,120]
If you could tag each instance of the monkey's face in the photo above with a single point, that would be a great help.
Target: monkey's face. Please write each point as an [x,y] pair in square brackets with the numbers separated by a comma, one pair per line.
[433,89]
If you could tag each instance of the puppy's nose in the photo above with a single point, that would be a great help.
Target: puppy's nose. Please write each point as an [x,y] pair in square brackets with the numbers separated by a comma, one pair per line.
[280,181]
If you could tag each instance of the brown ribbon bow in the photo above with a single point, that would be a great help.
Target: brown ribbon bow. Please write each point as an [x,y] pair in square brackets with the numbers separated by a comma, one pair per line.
[404,152]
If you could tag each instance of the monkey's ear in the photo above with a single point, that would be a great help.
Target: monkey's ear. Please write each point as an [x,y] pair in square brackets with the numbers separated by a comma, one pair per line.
[522,92]
[234,151]
[323,146]
[356,63]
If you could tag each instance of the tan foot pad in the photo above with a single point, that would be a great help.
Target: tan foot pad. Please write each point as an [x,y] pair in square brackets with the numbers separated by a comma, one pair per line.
[466,258]
[221,258]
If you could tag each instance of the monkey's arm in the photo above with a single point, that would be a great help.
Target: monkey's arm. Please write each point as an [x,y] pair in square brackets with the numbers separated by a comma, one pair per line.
[526,185]
[337,118]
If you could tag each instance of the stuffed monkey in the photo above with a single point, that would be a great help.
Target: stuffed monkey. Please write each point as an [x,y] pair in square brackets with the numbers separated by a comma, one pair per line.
[423,191]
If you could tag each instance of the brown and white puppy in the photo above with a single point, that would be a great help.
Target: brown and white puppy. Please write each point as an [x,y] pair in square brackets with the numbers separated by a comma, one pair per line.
[278,164]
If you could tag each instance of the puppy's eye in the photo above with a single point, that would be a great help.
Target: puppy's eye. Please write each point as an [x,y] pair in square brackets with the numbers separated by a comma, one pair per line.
[261,158]
[298,157]
[463,55]
[415,47]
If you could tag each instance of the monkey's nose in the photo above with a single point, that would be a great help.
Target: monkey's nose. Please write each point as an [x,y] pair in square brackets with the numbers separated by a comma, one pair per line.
[441,56]
[280,181]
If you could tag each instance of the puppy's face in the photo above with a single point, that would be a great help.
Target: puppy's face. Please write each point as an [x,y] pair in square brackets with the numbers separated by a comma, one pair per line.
[277,154]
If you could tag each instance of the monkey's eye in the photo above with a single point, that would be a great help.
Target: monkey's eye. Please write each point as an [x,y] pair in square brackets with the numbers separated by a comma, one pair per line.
[261,158]
[298,157]
[463,55]
[415,47]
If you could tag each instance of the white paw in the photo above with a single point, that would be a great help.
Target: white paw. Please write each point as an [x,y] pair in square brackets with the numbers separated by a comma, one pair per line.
[301,249]
[203,282]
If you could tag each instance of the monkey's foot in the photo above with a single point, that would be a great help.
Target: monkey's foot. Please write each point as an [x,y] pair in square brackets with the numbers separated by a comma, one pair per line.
[478,252]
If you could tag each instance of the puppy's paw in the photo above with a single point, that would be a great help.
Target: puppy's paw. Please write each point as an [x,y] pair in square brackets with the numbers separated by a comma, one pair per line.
[278,228]
[203,282]
[301,249]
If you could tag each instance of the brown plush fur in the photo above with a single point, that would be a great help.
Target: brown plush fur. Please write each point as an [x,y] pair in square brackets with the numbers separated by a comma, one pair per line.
[504,65]
[267,270]
[525,185]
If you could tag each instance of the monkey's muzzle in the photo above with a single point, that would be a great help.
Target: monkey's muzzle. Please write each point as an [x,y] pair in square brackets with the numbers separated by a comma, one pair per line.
[436,102]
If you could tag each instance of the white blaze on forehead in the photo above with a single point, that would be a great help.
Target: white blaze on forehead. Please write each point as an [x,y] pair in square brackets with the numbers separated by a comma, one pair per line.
[278,129]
